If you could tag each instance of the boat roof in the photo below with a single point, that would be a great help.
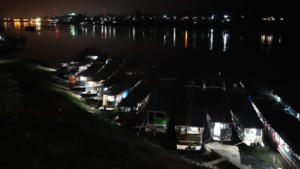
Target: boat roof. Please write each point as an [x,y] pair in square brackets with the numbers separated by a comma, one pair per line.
[243,110]
[138,94]
[283,123]
[164,94]
[216,105]
[119,83]
[105,71]
[191,109]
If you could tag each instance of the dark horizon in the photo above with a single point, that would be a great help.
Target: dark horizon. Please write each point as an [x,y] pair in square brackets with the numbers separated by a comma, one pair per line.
[35,8]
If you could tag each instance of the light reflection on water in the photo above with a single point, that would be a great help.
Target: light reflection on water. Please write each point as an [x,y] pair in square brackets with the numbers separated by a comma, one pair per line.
[217,40]
[225,41]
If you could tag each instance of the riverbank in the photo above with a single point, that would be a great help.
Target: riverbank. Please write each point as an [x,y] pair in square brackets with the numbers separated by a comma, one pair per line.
[43,126]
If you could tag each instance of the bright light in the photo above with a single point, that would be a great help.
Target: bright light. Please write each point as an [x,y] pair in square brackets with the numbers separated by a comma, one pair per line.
[211,40]
[37,19]
[174,36]
[91,83]
[125,94]
[83,78]
[226,16]
[225,41]
[193,130]
[277,98]
[92,57]
[72,14]
[110,98]
[186,39]
[217,129]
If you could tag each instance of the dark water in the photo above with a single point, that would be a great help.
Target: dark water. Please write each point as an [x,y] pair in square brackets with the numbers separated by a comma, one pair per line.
[202,47]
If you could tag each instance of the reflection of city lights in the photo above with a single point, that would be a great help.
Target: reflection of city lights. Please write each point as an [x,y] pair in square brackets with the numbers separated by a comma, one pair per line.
[211,39]
[262,39]
[6,25]
[133,33]
[174,37]
[38,26]
[186,39]
[109,32]
[269,39]
[114,33]
[225,41]
[165,39]
[279,40]
[105,32]
[25,24]
[56,32]
[17,25]
[72,30]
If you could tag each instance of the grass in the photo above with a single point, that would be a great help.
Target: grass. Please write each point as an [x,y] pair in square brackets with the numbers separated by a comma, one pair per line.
[54,130]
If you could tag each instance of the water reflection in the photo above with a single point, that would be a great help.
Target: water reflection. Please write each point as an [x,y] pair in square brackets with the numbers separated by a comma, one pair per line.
[174,37]
[94,31]
[17,25]
[56,32]
[133,33]
[211,39]
[109,32]
[185,39]
[72,30]
[165,39]
[38,26]
[266,39]
[225,41]
[114,33]
[6,25]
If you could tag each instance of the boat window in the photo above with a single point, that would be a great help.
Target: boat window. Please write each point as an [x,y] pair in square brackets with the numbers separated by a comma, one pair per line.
[182,130]
[193,130]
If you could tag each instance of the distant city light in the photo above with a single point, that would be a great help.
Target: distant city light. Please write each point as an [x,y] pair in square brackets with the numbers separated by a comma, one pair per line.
[72,14]
[37,19]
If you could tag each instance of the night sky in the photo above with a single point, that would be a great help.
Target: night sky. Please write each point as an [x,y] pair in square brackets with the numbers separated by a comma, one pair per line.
[35,8]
